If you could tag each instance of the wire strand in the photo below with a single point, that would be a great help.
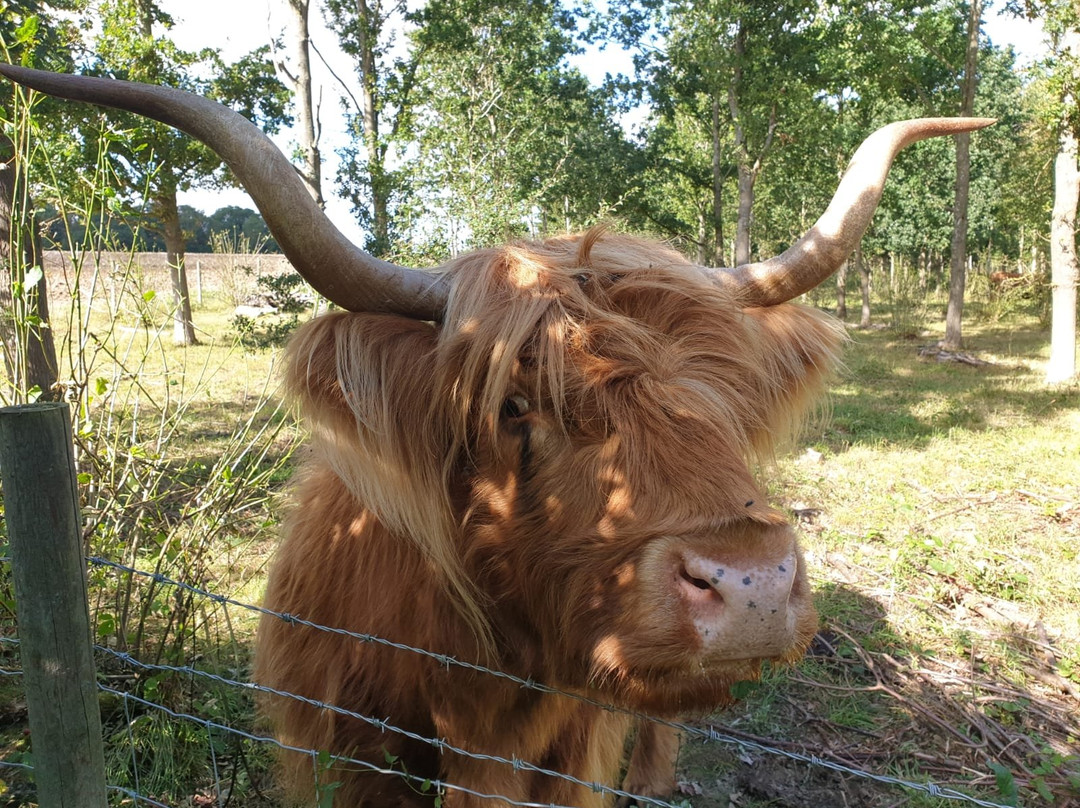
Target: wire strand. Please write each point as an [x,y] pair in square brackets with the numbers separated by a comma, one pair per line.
[385,726]
[710,734]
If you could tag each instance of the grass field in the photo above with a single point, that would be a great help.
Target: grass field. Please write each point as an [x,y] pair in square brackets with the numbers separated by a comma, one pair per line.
[940,509]
[939,505]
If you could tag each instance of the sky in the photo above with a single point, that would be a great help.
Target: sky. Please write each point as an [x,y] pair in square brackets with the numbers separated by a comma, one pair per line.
[240,26]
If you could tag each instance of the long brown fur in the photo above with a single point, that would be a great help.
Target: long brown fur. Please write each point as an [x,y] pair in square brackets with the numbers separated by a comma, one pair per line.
[531,535]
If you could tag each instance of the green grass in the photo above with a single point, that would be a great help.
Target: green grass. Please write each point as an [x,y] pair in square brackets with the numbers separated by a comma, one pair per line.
[182,455]
[944,552]
[941,518]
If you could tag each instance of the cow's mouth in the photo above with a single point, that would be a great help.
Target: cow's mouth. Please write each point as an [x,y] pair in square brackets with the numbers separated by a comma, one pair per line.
[668,692]
[674,681]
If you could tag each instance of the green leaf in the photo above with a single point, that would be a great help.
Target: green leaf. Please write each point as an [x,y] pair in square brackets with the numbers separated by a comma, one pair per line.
[325,791]
[106,624]
[26,32]
[942,567]
[1043,789]
[152,686]
[84,478]
[100,386]
[148,296]
[1006,783]
[326,795]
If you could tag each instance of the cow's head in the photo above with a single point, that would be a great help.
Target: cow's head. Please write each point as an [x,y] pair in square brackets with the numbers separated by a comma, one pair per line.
[568,428]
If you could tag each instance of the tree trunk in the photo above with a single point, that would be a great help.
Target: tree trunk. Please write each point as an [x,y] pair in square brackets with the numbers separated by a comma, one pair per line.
[144,11]
[183,327]
[703,258]
[745,213]
[29,350]
[717,187]
[306,116]
[841,291]
[864,286]
[367,27]
[749,167]
[1064,269]
[955,311]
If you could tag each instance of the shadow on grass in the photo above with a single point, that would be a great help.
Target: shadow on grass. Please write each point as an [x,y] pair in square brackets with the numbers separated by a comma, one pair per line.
[887,394]
[870,698]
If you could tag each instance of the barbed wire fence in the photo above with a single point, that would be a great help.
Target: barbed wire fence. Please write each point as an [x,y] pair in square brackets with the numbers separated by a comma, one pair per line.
[322,759]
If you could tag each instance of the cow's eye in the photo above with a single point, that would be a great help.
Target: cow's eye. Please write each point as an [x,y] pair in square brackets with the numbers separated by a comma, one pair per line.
[515,406]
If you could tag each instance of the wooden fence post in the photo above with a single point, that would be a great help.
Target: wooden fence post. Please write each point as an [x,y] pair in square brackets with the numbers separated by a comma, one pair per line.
[41,505]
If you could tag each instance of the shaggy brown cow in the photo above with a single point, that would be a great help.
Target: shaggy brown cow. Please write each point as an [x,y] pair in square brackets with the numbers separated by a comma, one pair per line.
[539,458]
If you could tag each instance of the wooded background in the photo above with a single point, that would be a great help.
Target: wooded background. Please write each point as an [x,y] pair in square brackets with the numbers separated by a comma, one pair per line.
[471,127]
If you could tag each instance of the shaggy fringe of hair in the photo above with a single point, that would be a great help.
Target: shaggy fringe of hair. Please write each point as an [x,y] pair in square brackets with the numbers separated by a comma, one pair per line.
[614,294]
[575,320]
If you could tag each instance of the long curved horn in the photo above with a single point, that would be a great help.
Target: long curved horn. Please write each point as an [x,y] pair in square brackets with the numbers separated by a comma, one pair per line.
[827,244]
[336,267]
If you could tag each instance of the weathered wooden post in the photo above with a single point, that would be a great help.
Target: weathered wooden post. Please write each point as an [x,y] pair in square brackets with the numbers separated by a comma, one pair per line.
[41,505]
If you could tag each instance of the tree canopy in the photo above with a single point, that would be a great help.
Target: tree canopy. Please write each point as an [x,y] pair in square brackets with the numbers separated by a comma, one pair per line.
[472,123]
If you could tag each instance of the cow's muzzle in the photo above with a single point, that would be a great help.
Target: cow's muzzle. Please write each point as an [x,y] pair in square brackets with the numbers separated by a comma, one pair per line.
[741,610]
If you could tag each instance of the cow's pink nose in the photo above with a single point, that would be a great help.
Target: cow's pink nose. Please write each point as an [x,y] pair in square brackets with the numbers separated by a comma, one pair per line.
[741,611]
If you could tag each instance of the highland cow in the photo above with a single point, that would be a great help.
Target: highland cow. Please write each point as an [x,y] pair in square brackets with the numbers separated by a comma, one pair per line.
[538,458]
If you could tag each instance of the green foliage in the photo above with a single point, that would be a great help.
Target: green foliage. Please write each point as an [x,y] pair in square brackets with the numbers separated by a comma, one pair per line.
[515,142]
[1006,783]
[233,224]
[255,334]
[178,456]
[152,161]
[996,300]
[366,176]
[906,301]
[324,787]
[154,751]
[37,33]
[740,690]
[287,292]
[143,234]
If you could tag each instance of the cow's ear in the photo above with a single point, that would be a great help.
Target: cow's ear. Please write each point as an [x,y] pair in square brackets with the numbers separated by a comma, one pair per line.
[349,371]
[366,385]
[799,351]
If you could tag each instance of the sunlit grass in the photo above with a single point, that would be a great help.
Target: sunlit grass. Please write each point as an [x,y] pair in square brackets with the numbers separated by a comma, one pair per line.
[942,517]
[944,545]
